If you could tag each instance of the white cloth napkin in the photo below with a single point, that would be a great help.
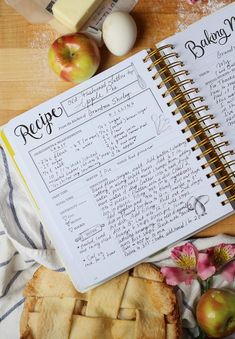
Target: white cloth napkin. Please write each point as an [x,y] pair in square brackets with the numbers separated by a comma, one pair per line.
[24,246]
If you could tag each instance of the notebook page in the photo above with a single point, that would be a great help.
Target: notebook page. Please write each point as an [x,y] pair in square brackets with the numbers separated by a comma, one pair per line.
[112,173]
[207,49]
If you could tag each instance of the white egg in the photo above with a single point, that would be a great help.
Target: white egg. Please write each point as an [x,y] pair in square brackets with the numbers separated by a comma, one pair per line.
[119,33]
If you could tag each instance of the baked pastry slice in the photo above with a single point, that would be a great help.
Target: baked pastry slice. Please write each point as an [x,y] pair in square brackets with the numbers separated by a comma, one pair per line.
[135,305]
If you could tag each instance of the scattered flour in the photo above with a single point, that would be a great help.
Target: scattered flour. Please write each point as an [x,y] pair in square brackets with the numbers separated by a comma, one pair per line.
[202,8]
[212,6]
[41,38]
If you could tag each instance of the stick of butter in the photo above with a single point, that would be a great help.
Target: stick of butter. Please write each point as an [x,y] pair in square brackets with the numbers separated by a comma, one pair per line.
[74,13]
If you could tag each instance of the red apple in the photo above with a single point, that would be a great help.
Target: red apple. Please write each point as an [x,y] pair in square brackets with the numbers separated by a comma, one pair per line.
[74,57]
[216,313]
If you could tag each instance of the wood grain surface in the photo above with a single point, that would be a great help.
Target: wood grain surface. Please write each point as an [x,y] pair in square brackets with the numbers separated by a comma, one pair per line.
[26,80]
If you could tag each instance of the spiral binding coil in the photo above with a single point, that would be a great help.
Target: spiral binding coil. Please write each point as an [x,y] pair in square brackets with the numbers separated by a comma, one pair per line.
[205,138]
[223,179]
[175,87]
[212,137]
[182,95]
[159,60]
[164,69]
[214,159]
[169,78]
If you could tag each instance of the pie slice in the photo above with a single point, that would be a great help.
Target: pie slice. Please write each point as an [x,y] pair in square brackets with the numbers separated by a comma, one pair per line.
[137,304]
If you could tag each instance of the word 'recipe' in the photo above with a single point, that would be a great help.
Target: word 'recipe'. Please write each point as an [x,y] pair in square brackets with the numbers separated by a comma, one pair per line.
[220,37]
[34,129]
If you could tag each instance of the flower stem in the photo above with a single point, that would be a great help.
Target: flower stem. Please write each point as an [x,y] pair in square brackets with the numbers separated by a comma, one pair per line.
[202,335]
[205,284]
[209,283]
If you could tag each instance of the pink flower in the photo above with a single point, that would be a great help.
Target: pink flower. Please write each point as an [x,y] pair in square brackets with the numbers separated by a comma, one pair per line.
[175,275]
[185,256]
[222,256]
[205,267]
[228,272]
[192,2]
[223,253]
[191,265]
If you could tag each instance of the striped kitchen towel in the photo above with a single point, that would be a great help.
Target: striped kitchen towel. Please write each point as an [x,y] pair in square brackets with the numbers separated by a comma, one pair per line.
[24,246]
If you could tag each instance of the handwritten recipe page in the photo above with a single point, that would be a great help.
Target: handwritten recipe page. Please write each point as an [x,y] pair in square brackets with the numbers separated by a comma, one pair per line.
[207,49]
[112,173]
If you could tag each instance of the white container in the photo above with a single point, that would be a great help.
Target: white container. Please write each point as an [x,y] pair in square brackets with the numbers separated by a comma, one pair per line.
[34,11]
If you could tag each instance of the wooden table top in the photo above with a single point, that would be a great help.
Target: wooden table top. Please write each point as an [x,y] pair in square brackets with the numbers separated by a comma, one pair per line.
[25,77]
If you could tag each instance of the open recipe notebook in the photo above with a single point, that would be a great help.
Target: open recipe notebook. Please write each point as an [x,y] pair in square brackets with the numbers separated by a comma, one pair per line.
[137,157]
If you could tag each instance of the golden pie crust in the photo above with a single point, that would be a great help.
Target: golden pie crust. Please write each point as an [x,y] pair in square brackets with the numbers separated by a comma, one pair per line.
[137,304]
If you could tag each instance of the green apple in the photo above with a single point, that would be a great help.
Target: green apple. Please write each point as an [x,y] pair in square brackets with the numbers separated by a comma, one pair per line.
[216,312]
[74,57]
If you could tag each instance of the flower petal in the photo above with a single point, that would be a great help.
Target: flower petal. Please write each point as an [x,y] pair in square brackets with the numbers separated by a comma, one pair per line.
[192,2]
[185,256]
[175,275]
[229,271]
[205,267]
[223,253]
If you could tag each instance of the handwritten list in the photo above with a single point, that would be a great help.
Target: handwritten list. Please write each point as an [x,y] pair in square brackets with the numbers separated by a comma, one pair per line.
[222,88]
[140,203]
[148,200]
